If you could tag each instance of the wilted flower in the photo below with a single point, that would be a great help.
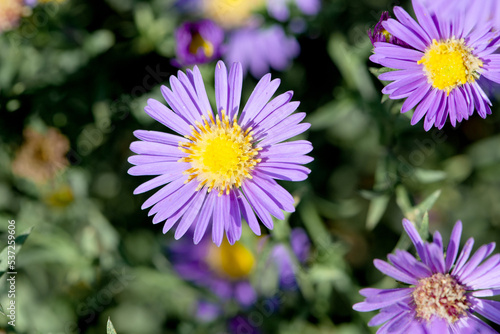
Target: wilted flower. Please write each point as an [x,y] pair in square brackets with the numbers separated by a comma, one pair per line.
[11,12]
[260,49]
[41,156]
[224,167]
[198,42]
[379,34]
[443,72]
[444,293]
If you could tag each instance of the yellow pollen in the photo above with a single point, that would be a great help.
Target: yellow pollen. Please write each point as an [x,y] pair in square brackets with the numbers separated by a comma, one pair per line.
[198,42]
[449,64]
[386,34]
[234,262]
[221,154]
[442,296]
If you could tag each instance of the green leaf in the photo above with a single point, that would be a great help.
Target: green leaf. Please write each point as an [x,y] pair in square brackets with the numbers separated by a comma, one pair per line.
[351,63]
[378,71]
[109,328]
[429,176]
[1,310]
[314,225]
[376,210]
[379,203]
[403,200]
[20,239]
[427,204]
[331,113]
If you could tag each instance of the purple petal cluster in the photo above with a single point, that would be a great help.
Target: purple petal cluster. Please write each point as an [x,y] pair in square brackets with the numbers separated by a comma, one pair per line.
[191,192]
[260,49]
[445,289]
[198,42]
[434,102]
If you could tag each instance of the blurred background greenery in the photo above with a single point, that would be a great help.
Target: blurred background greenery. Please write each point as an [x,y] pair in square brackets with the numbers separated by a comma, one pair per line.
[74,79]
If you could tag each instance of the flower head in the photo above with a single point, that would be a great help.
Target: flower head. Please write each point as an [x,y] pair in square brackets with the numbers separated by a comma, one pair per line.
[259,49]
[223,166]
[444,293]
[198,42]
[444,70]
[41,156]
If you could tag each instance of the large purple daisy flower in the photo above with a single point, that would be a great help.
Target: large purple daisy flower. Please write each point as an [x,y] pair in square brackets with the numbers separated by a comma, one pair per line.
[445,292]
[223,167]
[443,72]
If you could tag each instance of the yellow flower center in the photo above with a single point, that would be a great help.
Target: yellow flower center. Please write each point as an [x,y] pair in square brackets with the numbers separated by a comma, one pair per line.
[449,64]
[234,262]
[198,42]
[440,295]
[221,154]
[231,13]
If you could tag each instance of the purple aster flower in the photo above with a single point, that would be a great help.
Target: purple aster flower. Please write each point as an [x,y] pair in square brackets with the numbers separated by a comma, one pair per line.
[224,166]
[445,292]
[223,270]
[279,8]
[198,42]
[446,68]
[259,49]
[379,34]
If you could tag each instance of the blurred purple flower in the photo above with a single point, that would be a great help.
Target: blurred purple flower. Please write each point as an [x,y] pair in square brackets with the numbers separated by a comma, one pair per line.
[223,270]
[279,8]
[259,49]
[31,3]
[198,42]
[379,34]
[444,294]
[207,311]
